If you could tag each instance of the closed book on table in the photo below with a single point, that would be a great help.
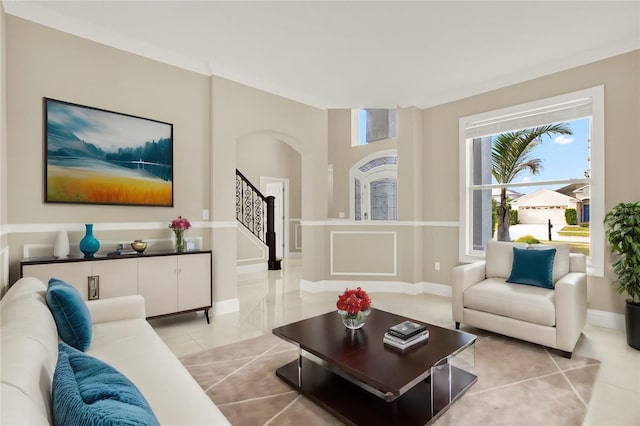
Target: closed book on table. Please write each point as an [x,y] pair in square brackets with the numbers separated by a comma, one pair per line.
[404,345]
[406,329]
[406,341]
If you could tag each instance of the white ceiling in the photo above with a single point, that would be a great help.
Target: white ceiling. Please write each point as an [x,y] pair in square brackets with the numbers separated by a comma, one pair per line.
[344,54]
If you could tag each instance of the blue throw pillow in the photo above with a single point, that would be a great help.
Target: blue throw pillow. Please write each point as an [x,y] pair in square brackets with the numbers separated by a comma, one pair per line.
[532,267]
[70,313]
[87,391]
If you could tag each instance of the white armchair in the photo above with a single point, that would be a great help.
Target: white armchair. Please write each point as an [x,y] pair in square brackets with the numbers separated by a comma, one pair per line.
[553,317]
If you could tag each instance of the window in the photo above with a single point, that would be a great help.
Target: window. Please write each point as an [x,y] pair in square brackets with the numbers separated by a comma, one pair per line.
[371,125]
[572,182]
[374,187]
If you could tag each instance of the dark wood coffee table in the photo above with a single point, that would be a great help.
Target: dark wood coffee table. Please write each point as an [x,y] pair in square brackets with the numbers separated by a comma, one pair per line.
[360,380]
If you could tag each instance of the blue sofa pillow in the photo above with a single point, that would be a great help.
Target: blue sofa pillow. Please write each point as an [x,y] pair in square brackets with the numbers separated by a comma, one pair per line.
[70,313]
[87,391]
[532,267]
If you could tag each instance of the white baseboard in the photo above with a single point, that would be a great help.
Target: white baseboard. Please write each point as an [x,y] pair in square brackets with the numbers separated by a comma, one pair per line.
[369,286]
[228,306]
[254,267]
[436,289]
[376,287]
[605,319]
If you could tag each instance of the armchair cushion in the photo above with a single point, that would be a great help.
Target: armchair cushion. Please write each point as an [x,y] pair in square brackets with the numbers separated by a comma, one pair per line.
[521,302]
[499,258]
[561,261]
[532,267]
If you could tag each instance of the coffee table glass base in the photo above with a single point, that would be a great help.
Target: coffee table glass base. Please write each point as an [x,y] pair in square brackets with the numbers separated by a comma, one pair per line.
[354,405]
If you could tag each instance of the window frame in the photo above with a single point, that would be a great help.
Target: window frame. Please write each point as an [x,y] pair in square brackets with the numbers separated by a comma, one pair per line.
[356,130]
[373,174]
[595,261]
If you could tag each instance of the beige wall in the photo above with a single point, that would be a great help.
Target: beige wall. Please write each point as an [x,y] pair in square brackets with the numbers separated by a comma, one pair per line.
[620,76]
[209,115]
[263,155]
[428,166]
[240,111]
[250,251]
[212,115]
[45,63]
[342,156]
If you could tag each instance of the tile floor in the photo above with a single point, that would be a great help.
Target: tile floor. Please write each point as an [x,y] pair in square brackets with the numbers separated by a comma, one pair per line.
[271,298]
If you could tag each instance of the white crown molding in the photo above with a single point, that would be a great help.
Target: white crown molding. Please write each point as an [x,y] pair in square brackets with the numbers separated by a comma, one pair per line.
[31,11]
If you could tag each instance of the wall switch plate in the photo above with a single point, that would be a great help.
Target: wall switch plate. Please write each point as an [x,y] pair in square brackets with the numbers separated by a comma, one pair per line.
[205,214]
[93,287]
[436,266]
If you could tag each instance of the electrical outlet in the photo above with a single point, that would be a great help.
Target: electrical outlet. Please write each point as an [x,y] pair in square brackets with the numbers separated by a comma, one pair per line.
[205,214]
[436,266]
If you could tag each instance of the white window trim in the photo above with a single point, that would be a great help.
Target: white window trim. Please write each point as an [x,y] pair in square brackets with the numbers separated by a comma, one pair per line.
[355,127]
[595,264]
[386,170]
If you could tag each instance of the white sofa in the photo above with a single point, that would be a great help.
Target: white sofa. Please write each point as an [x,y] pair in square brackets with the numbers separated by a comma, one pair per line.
[121,337]
[482,298]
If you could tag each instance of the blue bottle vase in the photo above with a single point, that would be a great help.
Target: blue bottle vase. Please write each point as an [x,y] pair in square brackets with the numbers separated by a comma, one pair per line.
[89,244]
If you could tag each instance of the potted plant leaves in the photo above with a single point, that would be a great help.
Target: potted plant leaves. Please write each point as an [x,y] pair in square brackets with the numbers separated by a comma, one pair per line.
[623,234]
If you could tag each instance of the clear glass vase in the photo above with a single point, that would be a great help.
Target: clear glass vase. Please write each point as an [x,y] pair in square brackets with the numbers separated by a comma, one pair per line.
[354,321]
[179,243]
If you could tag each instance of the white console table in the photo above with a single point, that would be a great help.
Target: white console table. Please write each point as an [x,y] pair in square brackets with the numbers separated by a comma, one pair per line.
[171,283]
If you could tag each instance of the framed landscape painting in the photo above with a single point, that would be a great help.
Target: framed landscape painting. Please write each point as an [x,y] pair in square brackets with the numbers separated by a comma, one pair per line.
[94,156]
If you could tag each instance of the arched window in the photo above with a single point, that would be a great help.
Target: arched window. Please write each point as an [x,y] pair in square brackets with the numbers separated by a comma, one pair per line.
[374,187]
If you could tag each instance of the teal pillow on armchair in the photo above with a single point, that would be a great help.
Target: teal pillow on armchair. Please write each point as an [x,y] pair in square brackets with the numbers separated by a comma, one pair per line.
[532,267]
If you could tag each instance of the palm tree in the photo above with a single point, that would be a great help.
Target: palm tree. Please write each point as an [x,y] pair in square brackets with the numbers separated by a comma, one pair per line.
[511,154]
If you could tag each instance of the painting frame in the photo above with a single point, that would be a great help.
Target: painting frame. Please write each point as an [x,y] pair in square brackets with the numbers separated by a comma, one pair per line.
[96,156]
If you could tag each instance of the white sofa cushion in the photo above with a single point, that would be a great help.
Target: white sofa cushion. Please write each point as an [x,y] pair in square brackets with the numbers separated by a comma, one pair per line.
[29,352]
[522,302]
[121,337]
[89,391]
[173,394]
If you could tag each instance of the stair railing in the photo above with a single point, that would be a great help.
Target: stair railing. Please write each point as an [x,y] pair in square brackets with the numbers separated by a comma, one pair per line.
[256,213]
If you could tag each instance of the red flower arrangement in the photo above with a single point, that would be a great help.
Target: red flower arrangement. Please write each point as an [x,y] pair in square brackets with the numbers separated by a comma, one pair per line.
[181,223]
[178,226]
[354,301]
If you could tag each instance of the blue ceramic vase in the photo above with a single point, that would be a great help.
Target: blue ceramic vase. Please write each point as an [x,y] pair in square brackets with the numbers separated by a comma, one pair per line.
[89,245]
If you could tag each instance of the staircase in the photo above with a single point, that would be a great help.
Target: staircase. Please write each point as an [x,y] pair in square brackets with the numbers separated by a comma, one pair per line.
[256,213]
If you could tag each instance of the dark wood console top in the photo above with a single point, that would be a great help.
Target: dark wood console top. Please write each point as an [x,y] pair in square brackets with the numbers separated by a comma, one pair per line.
[81,258]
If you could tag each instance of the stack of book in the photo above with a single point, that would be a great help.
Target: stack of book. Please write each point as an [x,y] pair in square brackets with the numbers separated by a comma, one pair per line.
[405,335]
